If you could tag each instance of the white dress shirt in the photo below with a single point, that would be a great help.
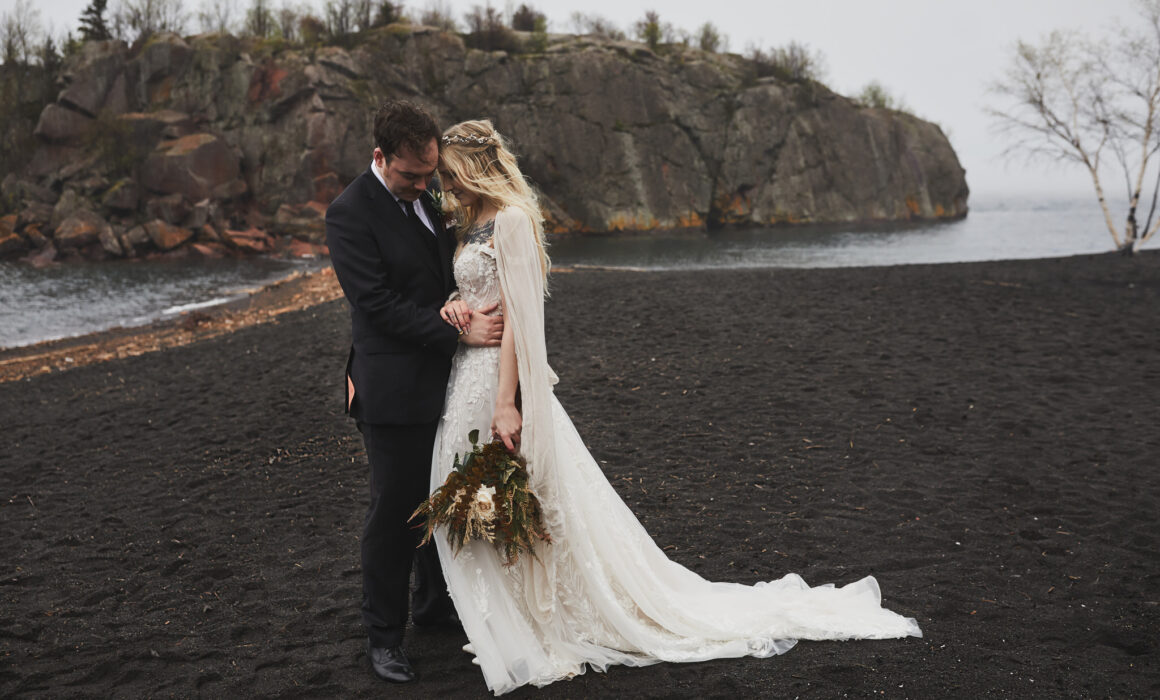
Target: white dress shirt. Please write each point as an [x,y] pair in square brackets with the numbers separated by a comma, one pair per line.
[419,208]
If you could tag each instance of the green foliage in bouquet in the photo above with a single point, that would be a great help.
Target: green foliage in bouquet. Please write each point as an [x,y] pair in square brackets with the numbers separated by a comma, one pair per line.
[486,497]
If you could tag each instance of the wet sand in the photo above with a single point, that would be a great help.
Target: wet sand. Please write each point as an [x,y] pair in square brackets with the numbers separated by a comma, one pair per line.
[982,438]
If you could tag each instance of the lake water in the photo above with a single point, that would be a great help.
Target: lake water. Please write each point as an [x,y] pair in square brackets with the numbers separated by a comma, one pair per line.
[998,229]
[65,300]
[77,298]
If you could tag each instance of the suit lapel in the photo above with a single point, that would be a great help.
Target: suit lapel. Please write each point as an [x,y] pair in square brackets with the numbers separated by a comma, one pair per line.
[396,224]
[446,246]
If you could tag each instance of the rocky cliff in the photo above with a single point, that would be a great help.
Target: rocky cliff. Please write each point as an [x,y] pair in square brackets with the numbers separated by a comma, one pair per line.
[222,143]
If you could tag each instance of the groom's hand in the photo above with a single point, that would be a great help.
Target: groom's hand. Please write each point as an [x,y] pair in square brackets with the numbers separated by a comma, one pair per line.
[484,331]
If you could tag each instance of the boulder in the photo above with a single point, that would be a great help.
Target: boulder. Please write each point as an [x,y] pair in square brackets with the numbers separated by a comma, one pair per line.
[68,205]
[305,221]
[10,241]
[251,240]
[192,166]
[229,191]
[165,235]
[123,196]
[135,239]
[50,158]
[208,250]
[12,244]
[161,63]
[96,80]
[109,242]
[203,213]
[35,238]
[172,208]
[146,129]
[17,189]
[34,214]
[65,126]
[208,234]
[79,230]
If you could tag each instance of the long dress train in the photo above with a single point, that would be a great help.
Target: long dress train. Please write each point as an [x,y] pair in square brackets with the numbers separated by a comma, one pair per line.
[603,593]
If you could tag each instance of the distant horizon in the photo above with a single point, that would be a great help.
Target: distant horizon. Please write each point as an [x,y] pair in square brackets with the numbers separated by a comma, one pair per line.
[906,47]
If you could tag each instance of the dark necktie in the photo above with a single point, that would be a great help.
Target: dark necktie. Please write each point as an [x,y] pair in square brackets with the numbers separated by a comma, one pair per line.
[414,216]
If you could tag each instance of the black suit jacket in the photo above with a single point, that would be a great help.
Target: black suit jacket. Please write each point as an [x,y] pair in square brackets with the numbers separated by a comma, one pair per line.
[395,282]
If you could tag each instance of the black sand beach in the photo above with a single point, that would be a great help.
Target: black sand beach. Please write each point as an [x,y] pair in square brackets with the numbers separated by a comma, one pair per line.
[982,438]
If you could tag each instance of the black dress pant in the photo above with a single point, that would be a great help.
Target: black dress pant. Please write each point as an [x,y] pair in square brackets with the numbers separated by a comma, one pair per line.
[400,462]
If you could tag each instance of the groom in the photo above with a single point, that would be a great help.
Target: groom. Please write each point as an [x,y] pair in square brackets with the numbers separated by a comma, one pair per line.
[392,257]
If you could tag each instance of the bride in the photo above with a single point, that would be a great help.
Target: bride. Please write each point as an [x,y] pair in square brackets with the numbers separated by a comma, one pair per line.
[602,592]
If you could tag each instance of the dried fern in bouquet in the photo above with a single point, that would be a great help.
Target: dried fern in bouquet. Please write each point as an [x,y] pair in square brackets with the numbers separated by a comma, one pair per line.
[486,497]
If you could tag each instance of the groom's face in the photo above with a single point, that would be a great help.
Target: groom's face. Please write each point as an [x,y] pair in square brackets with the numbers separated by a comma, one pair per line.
[408,172]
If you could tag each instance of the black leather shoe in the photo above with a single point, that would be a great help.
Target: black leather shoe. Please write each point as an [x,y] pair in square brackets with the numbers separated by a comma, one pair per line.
[391,664]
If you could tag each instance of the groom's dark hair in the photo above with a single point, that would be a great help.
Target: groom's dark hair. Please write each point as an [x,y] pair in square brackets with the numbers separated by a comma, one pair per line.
[402,125]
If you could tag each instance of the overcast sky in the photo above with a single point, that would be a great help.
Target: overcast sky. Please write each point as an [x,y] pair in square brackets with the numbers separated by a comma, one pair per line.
[938,56]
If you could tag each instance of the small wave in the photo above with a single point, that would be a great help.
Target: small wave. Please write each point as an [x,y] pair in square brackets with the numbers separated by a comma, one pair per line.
[182,308]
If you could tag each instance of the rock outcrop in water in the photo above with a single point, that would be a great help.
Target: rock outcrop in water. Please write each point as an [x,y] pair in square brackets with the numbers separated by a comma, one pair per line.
[228,144]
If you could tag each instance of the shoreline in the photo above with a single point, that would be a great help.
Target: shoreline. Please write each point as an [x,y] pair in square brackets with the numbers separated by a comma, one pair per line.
[300,290]
[297,291]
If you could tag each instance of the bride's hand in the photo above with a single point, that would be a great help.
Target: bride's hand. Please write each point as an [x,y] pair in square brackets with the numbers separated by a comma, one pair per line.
[458,314]
[506,425]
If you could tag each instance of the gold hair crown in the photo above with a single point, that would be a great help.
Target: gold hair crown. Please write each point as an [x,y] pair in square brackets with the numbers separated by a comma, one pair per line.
[459,140]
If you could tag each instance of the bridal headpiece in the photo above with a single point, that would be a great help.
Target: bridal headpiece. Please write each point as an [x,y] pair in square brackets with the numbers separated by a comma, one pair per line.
[461,140]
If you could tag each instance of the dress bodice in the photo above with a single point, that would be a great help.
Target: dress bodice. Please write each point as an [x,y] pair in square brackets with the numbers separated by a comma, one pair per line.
[475,270]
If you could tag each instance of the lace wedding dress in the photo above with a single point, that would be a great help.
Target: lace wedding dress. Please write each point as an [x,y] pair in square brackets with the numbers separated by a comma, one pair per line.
[602,593]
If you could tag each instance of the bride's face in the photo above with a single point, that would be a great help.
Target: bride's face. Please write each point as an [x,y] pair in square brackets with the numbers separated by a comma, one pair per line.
[451,184]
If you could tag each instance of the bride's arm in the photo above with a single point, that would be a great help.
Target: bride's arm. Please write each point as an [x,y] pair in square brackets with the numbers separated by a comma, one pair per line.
[506,422]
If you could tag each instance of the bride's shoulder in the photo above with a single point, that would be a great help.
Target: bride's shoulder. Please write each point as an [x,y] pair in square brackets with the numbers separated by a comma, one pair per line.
[512,218]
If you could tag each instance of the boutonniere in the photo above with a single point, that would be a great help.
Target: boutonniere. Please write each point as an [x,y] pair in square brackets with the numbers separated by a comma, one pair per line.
[437,202]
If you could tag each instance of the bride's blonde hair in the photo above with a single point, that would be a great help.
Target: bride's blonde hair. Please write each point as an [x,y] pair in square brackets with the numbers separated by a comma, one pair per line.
[481,162]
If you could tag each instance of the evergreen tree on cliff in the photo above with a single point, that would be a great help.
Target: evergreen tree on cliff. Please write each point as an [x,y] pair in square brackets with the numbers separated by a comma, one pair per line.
[93,27]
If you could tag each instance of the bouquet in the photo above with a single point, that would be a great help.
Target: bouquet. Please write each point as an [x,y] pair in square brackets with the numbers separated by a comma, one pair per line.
[486,497]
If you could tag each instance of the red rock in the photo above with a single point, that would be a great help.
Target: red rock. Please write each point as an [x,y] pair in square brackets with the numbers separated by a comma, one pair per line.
[303,249]
[9,240]
[192,165]
[79,230]
[208,234]
[34,236]
[147,128]
[167,236]
[305,221]
[251,240]
[327,187]
[208,250]
[265,83]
